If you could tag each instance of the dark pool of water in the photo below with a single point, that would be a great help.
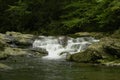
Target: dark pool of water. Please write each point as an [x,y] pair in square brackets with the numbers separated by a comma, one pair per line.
[38,69]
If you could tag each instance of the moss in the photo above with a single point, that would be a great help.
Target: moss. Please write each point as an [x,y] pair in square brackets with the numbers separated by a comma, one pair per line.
[2,41]
[3,66]
[116,34]
[107,50]
[3,56]
[1,46]
[86,56]
[90,34]
[110,63]
[21,40]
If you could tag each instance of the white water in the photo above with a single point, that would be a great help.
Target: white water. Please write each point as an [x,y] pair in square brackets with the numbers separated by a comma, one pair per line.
[58,47]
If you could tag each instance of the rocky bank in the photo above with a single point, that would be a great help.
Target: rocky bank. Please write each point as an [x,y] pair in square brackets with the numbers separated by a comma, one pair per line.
[18,44]
[106,51]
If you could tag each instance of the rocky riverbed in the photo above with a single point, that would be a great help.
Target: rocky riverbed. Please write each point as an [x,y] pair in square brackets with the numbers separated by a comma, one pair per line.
[17,44]
[106,51]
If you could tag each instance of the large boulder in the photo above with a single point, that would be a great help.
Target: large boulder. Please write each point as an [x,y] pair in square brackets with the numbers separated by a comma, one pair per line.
[18,44]
[15,51]
[5,45]
[89,55]
[8,51]
[19,39]
[107,49]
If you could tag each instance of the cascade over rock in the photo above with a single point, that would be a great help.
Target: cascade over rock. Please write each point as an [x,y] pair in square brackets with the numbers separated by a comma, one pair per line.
[59,47]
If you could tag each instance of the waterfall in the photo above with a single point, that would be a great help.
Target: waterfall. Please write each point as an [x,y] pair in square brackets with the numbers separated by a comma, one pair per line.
[58,47]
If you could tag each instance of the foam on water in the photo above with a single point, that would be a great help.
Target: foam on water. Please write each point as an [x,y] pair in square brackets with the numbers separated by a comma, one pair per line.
[58,47]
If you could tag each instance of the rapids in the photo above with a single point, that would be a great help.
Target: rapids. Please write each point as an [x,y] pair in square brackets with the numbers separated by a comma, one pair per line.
[58,47]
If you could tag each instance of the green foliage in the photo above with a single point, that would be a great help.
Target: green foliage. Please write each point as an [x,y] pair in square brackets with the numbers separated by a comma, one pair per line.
[17,14]
[94,15]
[59,17]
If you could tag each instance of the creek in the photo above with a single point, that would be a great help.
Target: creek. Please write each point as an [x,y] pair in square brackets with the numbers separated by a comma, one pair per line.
[27,68]
[59,47]
[54,66]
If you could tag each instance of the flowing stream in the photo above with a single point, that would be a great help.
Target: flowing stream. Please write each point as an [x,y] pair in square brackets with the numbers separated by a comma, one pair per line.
[53,66]
[58,47]
[27,68]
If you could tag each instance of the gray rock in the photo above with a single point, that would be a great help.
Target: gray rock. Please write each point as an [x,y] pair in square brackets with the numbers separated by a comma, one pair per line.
[40,50]
[107,49]
[3,66]
[19,39]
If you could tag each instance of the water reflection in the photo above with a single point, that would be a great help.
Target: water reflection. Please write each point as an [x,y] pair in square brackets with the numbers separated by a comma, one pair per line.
[38,69]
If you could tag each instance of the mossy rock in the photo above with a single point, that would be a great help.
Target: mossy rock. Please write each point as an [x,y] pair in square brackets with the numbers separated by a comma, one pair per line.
[116,34]
[2,42]
[8,51]
[113,48]
[3,55]
[97,35]
[86,56]
[2,46]
[107,49]
[15,51]
[3,66]
[21,40]
[110,63]
[69,57]
[38,51]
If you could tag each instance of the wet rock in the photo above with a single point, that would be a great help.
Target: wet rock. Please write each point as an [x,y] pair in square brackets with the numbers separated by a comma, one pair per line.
[3,44]
[113,49]
[3,55]
[115,62]
[3,66]
[112,64]
[87,56]
[19,39]
[3,40]
[116,34]
[107,49]
[8,51]
[18,44]
[69,57]
[15,51]
[39,51]
[97,35]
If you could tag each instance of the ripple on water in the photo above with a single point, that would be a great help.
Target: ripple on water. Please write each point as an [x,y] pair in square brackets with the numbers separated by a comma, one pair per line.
[39,69]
